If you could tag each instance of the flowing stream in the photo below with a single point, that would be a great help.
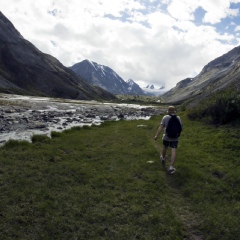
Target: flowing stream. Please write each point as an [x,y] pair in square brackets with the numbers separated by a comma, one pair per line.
[23,116]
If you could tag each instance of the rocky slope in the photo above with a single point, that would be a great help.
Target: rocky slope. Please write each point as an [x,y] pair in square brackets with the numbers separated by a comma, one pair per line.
[221,73]
[26,70]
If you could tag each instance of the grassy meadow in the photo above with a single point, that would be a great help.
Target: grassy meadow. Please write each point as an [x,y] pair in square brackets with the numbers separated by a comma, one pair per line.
[107,182]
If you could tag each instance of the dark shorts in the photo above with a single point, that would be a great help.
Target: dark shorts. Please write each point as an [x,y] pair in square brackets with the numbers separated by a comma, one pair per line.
[172,144]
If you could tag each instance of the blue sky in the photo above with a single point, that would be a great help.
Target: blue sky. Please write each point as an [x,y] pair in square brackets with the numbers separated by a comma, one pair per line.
[150,41]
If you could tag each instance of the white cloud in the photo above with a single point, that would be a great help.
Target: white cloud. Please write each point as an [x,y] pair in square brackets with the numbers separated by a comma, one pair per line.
[217,10]
[149,46]
[159,20]
[182,9]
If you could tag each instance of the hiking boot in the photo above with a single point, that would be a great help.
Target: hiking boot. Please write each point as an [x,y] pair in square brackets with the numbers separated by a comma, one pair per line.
[171,170]
[162,159]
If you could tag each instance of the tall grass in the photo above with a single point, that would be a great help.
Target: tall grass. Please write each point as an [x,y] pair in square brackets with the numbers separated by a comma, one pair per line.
[106,182]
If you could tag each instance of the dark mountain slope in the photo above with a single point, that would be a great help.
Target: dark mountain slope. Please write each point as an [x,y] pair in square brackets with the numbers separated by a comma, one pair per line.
[106,78]
[26,70]
[221,73]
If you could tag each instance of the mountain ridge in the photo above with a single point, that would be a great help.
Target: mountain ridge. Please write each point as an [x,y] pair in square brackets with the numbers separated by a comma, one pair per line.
[24,69]
[220,73]
[106,78]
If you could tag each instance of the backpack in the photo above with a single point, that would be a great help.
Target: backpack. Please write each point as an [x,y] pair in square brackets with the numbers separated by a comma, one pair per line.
[174,127]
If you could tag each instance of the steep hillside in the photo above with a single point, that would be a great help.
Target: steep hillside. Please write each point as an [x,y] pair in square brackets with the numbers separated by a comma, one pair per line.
[221,73]
[26,70]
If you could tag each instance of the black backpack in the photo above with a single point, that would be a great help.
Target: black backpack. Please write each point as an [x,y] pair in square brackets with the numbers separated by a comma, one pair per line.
[174,127]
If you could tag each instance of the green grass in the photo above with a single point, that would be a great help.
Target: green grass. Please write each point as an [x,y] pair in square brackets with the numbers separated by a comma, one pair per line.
[106,182]
[139,99]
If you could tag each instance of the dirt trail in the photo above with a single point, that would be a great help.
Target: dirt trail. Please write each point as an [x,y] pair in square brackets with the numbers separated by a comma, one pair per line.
[183,210]
[181,206]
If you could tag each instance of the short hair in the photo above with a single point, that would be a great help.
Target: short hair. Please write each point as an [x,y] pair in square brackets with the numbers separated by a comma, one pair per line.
[171,109]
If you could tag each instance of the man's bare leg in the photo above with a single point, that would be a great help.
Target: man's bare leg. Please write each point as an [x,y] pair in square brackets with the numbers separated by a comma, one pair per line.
[173,156]
[164,151]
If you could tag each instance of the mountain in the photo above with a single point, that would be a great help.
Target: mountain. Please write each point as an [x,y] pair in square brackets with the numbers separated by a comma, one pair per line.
[151,90]
[221,73]
[150,87]
[104,77]
[26,70]
[134,88]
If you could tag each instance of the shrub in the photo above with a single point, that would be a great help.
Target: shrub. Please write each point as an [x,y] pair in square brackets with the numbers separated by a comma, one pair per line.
[86,127]
[55,134]
[16,143]
[221,108]
[40,138]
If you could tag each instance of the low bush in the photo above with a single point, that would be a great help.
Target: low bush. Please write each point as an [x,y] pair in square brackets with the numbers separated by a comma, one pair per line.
[221,108]
[40,138]
[55,134]
[16,143]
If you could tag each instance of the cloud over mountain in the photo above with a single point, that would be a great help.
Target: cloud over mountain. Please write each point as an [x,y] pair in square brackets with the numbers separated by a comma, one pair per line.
[24,69]
[149,41]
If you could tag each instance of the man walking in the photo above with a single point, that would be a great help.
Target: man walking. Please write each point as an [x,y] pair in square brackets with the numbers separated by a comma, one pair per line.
[172,130]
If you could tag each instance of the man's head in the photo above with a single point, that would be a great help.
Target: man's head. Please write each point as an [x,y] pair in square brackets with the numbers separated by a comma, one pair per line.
[171,110]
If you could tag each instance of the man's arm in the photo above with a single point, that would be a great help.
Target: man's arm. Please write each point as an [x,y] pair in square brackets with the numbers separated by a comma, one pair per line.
[158,132]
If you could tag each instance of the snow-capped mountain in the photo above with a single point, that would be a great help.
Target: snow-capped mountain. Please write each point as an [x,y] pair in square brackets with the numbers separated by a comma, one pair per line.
[134,88]
[151,89]
[106,78]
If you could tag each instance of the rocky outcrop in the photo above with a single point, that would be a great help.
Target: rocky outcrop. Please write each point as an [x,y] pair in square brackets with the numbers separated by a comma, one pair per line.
[26,70]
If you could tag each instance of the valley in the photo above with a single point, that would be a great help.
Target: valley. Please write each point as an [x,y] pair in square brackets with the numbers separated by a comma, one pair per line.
[78,158]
